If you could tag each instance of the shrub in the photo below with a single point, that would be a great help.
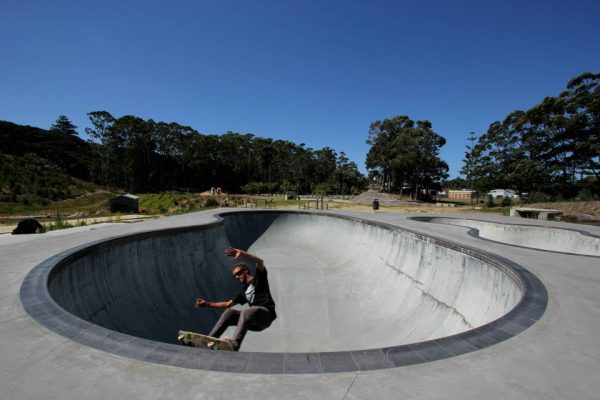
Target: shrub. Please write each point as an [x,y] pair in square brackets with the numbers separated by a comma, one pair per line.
[211,202]
[538,197]
[506,201]
[585,195]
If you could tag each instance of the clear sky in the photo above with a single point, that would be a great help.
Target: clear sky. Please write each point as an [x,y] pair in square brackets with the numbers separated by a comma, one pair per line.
[313,72]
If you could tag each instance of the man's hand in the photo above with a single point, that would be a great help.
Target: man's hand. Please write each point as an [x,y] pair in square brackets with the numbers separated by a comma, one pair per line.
[237,253]
[201,303]
[233,253]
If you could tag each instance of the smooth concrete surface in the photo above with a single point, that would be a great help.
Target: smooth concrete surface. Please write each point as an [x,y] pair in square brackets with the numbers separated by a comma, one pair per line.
[535,237]
[558,357]
[339,284]
[344,285]
[130,294]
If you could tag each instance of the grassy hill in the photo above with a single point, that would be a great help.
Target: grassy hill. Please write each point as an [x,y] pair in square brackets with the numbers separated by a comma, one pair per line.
[39,167]
[71,153]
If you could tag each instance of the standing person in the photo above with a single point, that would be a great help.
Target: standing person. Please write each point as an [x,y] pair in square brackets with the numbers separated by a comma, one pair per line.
[255,292]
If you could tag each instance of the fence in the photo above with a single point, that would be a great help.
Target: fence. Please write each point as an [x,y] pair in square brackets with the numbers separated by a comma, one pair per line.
[306,204]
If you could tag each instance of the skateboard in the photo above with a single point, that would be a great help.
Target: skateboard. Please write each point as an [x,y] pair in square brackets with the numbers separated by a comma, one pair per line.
[203,341]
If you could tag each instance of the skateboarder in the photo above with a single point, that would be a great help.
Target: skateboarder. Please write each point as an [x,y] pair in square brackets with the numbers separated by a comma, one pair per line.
[255,292]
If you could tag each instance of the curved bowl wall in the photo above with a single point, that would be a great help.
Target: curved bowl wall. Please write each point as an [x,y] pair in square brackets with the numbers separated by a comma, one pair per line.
[343,287]
[535,237]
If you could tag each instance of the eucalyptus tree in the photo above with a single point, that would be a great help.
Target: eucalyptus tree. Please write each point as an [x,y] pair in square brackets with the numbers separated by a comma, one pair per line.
[406,153]
[283,163]
[381,139]
[264,154]
[582,103]
[110,145]
[169,140]
[325,164]
[552,147]
[348,178]
[142,155]
[137,166]
[303,166]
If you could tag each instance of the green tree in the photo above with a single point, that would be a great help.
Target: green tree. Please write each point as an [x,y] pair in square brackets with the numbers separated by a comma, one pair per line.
[470,160]
[105,145]
[347,178]
[582,104]
[64,125]
[551,149]
[406,154]
[325,164]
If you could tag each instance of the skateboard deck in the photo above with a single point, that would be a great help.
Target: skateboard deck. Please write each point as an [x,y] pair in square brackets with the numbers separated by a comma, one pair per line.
[203,341]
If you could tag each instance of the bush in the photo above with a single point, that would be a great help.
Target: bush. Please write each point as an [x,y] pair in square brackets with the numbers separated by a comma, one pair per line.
[585,195]
[538,197]
[253,187]
[506,201]
[211,202]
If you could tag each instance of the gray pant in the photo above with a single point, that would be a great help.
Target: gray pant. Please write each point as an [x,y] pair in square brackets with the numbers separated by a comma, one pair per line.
[252,318]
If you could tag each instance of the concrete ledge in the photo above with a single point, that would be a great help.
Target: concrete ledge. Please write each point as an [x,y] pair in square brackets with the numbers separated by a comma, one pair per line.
[539,213]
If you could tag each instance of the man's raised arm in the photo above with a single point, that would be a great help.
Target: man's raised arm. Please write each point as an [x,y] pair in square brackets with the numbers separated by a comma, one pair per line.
[237,253]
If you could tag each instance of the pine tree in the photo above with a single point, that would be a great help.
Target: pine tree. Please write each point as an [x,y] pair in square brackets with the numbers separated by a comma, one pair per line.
[64,125]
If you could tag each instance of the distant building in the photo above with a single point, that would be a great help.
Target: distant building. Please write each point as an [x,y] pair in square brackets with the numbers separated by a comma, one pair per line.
[463,194]
[126,203]
[291,195]
[502,193]
[435,193]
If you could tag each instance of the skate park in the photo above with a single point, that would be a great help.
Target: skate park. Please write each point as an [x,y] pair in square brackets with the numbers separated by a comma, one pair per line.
[493,319]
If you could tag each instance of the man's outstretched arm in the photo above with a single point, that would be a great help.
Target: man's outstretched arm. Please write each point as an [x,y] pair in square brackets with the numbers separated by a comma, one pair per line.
[237,253]
[201,303]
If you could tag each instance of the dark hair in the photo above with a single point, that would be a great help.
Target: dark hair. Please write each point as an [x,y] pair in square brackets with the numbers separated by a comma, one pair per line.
[241,266]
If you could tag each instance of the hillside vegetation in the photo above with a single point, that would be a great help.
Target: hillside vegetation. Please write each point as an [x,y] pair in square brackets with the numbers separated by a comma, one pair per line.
[39,167]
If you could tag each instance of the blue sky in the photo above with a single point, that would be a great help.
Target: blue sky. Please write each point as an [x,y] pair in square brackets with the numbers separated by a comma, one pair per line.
[313,72]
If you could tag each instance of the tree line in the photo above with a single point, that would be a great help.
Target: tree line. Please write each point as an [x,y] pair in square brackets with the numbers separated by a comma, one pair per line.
[550,151]
[147,156]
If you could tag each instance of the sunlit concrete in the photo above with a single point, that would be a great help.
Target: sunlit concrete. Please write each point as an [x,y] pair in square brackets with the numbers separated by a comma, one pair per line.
[556,358]
[339,284]
[536,237]
[342,284]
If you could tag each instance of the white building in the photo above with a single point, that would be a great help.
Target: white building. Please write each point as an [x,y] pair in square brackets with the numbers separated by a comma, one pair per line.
[502,193]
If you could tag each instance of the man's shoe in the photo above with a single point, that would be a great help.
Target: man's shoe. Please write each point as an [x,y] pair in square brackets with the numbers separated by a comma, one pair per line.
[234,344]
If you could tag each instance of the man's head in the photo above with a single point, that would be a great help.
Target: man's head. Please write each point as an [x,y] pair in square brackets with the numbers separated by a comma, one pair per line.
[240,272]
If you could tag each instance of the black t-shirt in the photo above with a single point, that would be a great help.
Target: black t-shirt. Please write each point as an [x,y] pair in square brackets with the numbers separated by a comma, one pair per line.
[257,293]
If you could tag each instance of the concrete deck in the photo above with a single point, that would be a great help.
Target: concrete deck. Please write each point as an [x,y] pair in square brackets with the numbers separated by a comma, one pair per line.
[558,357]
